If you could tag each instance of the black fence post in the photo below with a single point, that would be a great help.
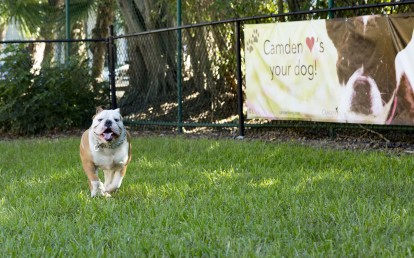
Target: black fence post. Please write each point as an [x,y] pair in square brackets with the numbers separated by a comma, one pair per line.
[330,6]
[239,80]
[111,66]
[67,14]
[179,70]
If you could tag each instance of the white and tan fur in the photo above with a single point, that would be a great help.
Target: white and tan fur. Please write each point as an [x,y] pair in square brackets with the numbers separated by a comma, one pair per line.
[105,145]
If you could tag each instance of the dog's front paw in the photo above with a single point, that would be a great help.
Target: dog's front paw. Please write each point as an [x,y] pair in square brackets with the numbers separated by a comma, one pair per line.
[100,193]
[106,194]
[98,189]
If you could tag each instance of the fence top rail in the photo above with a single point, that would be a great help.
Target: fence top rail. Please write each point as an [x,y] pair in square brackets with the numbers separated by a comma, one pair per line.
[260,17]
[52,41]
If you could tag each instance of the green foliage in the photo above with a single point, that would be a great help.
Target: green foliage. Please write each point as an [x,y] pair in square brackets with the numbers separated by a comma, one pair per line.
[38,18]
[56,97]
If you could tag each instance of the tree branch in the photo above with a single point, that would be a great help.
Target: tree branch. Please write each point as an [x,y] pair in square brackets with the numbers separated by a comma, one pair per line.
[374,132]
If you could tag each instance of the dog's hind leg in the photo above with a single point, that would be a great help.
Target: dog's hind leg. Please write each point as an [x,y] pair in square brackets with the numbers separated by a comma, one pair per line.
[109,175]
[116,181]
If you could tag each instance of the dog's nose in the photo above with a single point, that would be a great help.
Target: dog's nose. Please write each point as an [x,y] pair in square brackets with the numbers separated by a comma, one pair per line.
[108,123]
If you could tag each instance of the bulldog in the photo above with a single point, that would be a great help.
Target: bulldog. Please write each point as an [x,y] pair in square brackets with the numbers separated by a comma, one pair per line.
[105,145]
[363,67]
[374,67]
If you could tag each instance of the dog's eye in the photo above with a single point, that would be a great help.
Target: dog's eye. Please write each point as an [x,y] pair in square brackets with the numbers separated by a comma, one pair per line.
[116,120]
[100,120]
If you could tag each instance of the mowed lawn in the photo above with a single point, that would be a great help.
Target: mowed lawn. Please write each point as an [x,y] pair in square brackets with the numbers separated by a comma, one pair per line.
[213,198]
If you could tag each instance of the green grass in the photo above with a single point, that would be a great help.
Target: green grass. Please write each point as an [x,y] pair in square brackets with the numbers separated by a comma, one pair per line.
[200,197]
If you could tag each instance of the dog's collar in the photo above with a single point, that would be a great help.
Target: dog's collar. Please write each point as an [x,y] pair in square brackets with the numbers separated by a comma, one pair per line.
[115,145]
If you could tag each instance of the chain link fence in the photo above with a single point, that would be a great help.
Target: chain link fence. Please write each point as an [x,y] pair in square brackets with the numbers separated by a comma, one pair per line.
[208,94]
[153,86]
[147,77]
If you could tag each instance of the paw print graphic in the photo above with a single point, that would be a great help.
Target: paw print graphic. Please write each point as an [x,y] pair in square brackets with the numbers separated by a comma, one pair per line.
[255,35]
[254,39]
[249,45]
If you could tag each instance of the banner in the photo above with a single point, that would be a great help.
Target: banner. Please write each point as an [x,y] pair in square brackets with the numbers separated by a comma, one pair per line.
[358,70]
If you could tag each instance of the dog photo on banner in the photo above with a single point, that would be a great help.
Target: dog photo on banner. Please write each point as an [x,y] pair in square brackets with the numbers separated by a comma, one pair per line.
[354,70]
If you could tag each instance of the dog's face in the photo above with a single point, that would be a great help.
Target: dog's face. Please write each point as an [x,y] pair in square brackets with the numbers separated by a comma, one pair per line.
[363,67]
[107,125]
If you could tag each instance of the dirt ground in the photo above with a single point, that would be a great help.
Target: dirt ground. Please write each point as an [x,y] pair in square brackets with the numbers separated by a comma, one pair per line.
[360,138]
[344,139]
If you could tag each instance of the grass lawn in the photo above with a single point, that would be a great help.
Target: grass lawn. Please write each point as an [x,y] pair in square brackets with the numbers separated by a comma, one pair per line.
[200,197]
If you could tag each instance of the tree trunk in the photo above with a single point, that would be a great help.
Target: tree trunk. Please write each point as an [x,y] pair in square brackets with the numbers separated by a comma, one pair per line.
[46,31]
[105,17]
[3,28]
[153,67]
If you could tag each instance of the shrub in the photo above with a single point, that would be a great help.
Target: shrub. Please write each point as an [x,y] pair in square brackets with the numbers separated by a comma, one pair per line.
[56,97]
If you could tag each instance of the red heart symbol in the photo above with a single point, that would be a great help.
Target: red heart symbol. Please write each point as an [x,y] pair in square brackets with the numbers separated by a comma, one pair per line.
[310,42]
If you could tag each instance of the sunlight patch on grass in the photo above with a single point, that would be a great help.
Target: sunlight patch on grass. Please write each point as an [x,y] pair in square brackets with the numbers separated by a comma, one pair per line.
[265,182]
[220,175]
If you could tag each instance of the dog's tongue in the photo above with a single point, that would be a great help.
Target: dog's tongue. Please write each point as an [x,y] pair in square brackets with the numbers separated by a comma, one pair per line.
[108,136]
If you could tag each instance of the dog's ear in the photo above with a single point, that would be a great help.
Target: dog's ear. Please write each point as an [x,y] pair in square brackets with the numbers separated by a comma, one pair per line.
[99,109]
[119,111]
